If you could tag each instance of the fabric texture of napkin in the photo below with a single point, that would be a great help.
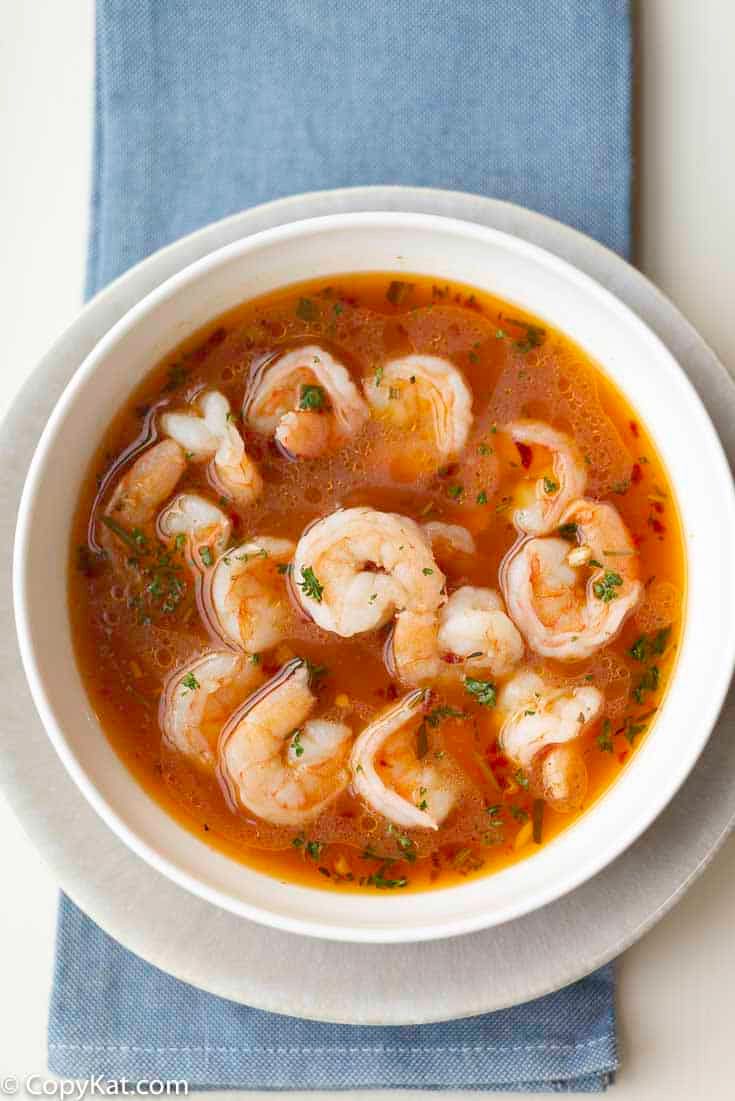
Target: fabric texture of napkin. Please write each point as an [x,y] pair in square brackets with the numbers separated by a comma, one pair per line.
[202,110]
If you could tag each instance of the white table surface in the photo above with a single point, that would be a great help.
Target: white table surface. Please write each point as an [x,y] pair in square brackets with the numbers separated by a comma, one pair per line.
[675,985]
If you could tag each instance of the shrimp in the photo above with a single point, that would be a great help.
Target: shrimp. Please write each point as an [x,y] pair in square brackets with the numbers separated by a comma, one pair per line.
[425,393]
[199,699]
[473,626]
[277,762]
[552,494]
[449,537]
[409,791]
[307,400]
[193,518]
[357,568]
[538,723]
[207,432]
[246,597]
[147,484]
[559,616]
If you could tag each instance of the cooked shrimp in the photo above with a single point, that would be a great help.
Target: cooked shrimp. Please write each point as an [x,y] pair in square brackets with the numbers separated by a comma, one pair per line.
[199,699]
[278,763]
[539,722]
[207,432]
[357,568]
[560,616]
[425,394]
[553,494]
[246,595]
[196,520]
[409,791]
[449,537]
[147,484]
[307,400]
[412,650]
[473,626]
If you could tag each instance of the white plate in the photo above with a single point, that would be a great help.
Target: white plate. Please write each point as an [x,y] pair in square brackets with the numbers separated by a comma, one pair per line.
[319,979]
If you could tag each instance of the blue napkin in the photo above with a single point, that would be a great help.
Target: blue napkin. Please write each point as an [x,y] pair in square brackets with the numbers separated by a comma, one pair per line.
[203,109]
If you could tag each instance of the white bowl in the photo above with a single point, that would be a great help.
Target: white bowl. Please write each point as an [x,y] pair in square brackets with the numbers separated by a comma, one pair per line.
[402,243]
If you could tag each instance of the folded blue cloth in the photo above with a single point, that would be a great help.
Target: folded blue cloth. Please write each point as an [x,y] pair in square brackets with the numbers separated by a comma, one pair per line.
[203,109]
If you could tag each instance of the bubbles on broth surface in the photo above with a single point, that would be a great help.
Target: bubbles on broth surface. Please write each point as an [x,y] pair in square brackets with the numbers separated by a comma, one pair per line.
[557,385]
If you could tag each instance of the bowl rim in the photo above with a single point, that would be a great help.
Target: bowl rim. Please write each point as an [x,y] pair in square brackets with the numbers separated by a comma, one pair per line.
[128,321]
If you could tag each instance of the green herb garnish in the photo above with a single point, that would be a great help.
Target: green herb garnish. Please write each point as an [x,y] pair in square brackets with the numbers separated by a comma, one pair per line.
[310,584]
[605,589]
[568,532]
[648,682]
[312,397]
[604,738]
[189,682]
[398,291]
[484,691]
[306,309]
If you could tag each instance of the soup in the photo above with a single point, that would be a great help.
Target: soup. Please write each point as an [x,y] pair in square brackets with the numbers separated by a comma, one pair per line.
[376,585]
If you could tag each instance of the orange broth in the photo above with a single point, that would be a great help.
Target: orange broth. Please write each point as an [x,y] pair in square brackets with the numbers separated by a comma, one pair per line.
[128,638]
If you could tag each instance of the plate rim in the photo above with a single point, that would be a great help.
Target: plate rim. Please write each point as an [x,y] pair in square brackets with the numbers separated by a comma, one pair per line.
[179,253]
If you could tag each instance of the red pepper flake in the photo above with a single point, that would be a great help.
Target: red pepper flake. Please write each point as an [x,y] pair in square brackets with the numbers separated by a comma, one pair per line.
[391,691]
[526,454]
[657,526]
[657,507]
[448,470]
[633,425]
[622,756]
[636,474]
[235,520]
[451,659]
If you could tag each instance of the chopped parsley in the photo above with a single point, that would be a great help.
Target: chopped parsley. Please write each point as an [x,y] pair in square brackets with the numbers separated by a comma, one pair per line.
[604,738]
[316,672]
[633,729]
[398,291]
[296,742]
[206,556]
[605,589]
[534,337]
[481,497]
[484,691]
[310,584]
[312,397]
[550,486]
[404,842]
[427,571]
[378,879]
[378,376]
[134,539]
[648,682]
[306,309]
[189,683]
[647,646]
[455,492]
[521,779]
[568,532]
[314,849]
